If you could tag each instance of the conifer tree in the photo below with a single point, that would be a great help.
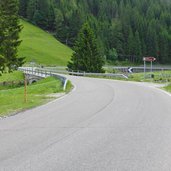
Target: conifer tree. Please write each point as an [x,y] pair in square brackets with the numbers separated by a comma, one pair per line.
[86,57]
[138,50]
[131,43]
[10,29]
[164,48]
[151,41]
[2,60]
[31,8]
[23,8]
[116,38]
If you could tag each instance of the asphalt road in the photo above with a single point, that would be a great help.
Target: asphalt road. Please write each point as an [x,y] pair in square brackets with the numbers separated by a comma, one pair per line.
[102,125]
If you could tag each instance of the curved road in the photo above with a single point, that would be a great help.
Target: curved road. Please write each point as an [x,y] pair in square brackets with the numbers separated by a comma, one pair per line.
[103,125]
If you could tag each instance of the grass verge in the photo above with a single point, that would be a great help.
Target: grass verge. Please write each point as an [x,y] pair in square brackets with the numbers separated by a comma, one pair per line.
[168,88]
[156,77]
[12,100]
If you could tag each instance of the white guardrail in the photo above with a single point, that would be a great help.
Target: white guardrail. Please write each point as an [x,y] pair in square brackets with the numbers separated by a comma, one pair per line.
[54,70]
[43,73]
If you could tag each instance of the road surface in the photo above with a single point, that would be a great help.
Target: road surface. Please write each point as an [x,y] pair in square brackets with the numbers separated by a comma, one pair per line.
[102,125]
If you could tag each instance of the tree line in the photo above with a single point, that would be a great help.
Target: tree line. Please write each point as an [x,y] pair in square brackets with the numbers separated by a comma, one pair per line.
[125,29]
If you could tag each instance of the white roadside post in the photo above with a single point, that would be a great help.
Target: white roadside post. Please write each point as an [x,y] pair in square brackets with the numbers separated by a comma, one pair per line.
[148,59]
[151,66]
[144,59]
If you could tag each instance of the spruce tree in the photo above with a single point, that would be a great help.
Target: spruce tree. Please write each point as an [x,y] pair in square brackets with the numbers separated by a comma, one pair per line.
[23,8]
[2,60]
[131,43]
[116,38]
[10,29]
[164,47]
[86,57]
[151,41]
[138,49]
[31,8]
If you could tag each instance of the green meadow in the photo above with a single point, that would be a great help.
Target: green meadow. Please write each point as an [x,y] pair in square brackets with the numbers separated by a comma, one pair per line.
[42,48]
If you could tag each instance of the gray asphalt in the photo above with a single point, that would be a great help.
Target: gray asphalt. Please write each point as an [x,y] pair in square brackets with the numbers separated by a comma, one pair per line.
[102,125]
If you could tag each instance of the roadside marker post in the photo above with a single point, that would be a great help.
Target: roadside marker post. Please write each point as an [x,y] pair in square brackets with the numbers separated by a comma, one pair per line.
[148,59]
[25,90]
[144,67]
[151,66]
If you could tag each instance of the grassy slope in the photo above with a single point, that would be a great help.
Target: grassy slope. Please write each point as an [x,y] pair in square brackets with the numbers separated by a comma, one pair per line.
[41,47]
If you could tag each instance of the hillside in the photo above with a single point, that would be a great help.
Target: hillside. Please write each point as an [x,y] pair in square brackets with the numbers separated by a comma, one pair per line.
[134,28]
[42,48]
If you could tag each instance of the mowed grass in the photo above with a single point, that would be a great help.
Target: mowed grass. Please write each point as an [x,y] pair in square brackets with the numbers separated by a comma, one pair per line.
[12,100]
[11,80]
[168,88]
[41,47]
[158,77]
[15,76]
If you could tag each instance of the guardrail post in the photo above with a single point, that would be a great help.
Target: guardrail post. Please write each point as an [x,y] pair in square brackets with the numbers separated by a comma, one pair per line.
[65,84]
